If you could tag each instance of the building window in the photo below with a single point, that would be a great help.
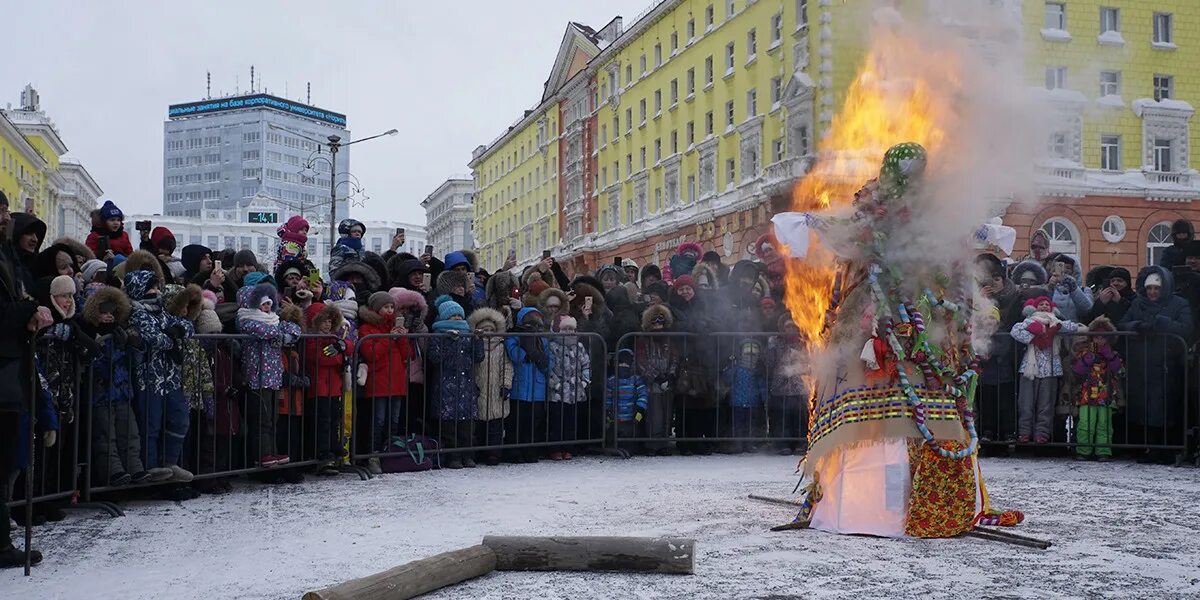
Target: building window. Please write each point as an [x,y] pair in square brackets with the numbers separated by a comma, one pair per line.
[1158,240]
[628,74]
[616,126]
[674,141]
[642,63]
[1056,78]
[730,54]
[776,30]
[708,71]
[642,158]
[776,91]
[603,134]
[729,116]
[629,164]
[1164,87]
[657,199]
[1056,15]
[691,82]
[730,172]
[691,30]
[642,110]
[657,55]
[708,123]
[674,92]
[674,41]
[1110,152]
[1062,236]
[730,9]
[777,150]
[751,45]
[691,133]
[1162,155]
[1163,29]
[751,103]
[1110,83]
[657,103]
[629,119]
[1058,145]
[708,17]
[1110,19]
[801,13]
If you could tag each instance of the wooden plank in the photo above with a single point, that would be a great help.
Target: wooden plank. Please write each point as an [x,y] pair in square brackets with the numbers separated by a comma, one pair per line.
[415,578]
[646,555]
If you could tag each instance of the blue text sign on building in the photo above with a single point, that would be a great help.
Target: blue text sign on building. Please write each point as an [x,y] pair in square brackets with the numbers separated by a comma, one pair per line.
[255,101]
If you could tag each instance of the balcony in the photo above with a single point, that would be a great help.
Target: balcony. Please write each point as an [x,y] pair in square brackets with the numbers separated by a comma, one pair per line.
[779,176]
[1174,178]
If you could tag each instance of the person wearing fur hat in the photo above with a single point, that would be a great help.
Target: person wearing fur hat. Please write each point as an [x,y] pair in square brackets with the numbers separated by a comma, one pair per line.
[262,366]
[341,296]
[494,377]
[197,372]
[161,243]
[116,444]
[412,311]
[161,407]
[108,239]
[80,253]
[1040,368]
[1156,361]
[499,295]
[64,343]
[456,284]
[610,276]
[455,352]
[325,362]
[570,380]
[1113,296]
[1182,232]
[632,272]
[141,260]
[656,293]
[54,261]
[552,303]
[291,274]
[532,363]
[293,237]
[407,273]
[385,377]
[354,270]
[1098,368]
[650,275]
[657,360]
[707,278]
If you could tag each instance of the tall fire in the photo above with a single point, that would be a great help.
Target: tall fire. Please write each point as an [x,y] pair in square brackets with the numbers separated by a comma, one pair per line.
[903,92]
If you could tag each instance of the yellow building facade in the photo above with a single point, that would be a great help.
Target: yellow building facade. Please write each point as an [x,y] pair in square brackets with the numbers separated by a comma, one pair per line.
[22,169]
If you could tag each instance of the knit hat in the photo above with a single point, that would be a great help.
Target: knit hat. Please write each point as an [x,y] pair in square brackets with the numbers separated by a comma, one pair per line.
[209,298]
[244,258]
[91,268]
[163,239]
[685,281]
[62,286]
[191,255]
[266,300]
[1033,302]
[255,278]
[537,286]
[63,260]
[567,321]
[110,211]
[1153,279]
[628,263]
[1101,323]
[448,308]
[379,299]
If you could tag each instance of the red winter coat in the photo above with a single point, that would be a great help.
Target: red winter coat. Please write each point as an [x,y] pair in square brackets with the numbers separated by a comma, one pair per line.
[324,372]
[119,244]
[386,358]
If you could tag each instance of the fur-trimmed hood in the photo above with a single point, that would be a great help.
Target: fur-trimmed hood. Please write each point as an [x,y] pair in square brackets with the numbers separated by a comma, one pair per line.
[77,248]
[317,313]
[1168,283]
[583,290]
[491,315]
[46,263]
[103,295]
[563,303]
[248,297]
[1029,266]
[370,317]
[186,302]
[400,266]
[369,275]
[377,264]
[140,260]
[472,260]
[448,280]
[499,288]
[292,314]
[406,299]
[705,276]
[534,274]
[658,311]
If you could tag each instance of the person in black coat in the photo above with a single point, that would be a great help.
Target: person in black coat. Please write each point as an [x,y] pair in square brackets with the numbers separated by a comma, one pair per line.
[1113,296]
[997,377]
[1182,233]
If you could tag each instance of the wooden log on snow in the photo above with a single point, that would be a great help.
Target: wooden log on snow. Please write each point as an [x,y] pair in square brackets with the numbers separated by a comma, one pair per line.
[675,556]
[415,578]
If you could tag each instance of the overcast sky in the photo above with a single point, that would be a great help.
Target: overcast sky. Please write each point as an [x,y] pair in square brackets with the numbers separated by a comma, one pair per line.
[448,75]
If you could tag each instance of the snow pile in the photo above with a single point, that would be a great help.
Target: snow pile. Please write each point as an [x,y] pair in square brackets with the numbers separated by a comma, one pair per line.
[1116,527]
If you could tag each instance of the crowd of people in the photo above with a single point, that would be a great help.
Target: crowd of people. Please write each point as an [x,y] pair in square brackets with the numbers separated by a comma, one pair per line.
[517,365]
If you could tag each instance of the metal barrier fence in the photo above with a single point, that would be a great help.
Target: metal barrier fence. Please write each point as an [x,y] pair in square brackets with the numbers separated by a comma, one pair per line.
[723,392]
[531,393]
[1148,401]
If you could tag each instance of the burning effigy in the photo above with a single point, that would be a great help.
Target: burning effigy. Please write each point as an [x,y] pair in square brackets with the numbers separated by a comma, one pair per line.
[882,239]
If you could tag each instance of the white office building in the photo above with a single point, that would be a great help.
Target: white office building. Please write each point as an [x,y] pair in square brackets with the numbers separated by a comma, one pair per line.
[450,213]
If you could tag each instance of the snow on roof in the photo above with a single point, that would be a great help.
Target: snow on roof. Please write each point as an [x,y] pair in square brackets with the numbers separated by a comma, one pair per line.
[1111,38]
[1141,104]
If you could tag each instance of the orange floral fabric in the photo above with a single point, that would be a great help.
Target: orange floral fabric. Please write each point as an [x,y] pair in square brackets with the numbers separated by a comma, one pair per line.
[943,492]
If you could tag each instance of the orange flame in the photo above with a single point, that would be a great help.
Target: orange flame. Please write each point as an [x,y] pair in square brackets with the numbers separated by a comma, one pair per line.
[902,93]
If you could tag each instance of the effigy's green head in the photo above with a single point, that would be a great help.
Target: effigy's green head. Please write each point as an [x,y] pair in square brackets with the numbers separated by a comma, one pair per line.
[902,164]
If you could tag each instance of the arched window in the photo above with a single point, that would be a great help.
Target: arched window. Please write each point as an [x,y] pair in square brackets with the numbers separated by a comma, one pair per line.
[1063,236]
[1159,238]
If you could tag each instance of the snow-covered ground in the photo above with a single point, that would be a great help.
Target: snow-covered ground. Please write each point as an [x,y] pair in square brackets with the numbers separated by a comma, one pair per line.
[1120,530]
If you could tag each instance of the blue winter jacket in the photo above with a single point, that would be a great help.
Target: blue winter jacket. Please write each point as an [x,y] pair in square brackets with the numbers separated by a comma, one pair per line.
[529,381]
[629,391]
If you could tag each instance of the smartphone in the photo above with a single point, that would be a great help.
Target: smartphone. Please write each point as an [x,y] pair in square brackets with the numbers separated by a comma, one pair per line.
[426,279]
[587,302]
[142,225]
[545,254]
[617,261]
[399,231]
[217,265]
[429,249]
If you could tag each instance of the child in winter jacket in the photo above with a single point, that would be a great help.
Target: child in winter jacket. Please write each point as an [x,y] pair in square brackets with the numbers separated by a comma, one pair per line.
[412,311]
[162,408]
[1098,367]
[532,363]
[456,352]
[494,376]
[386,375]
[628,394]
[325,362]
[340,295]
[262,365]
[108,238]
[293,237]
[116,445]
[747,391]
[787,364]
[569,381]
[289,425]
[62,343]
[657,360]
[1041,367]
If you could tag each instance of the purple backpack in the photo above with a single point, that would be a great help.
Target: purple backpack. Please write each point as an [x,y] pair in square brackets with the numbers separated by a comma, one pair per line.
[409,454]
